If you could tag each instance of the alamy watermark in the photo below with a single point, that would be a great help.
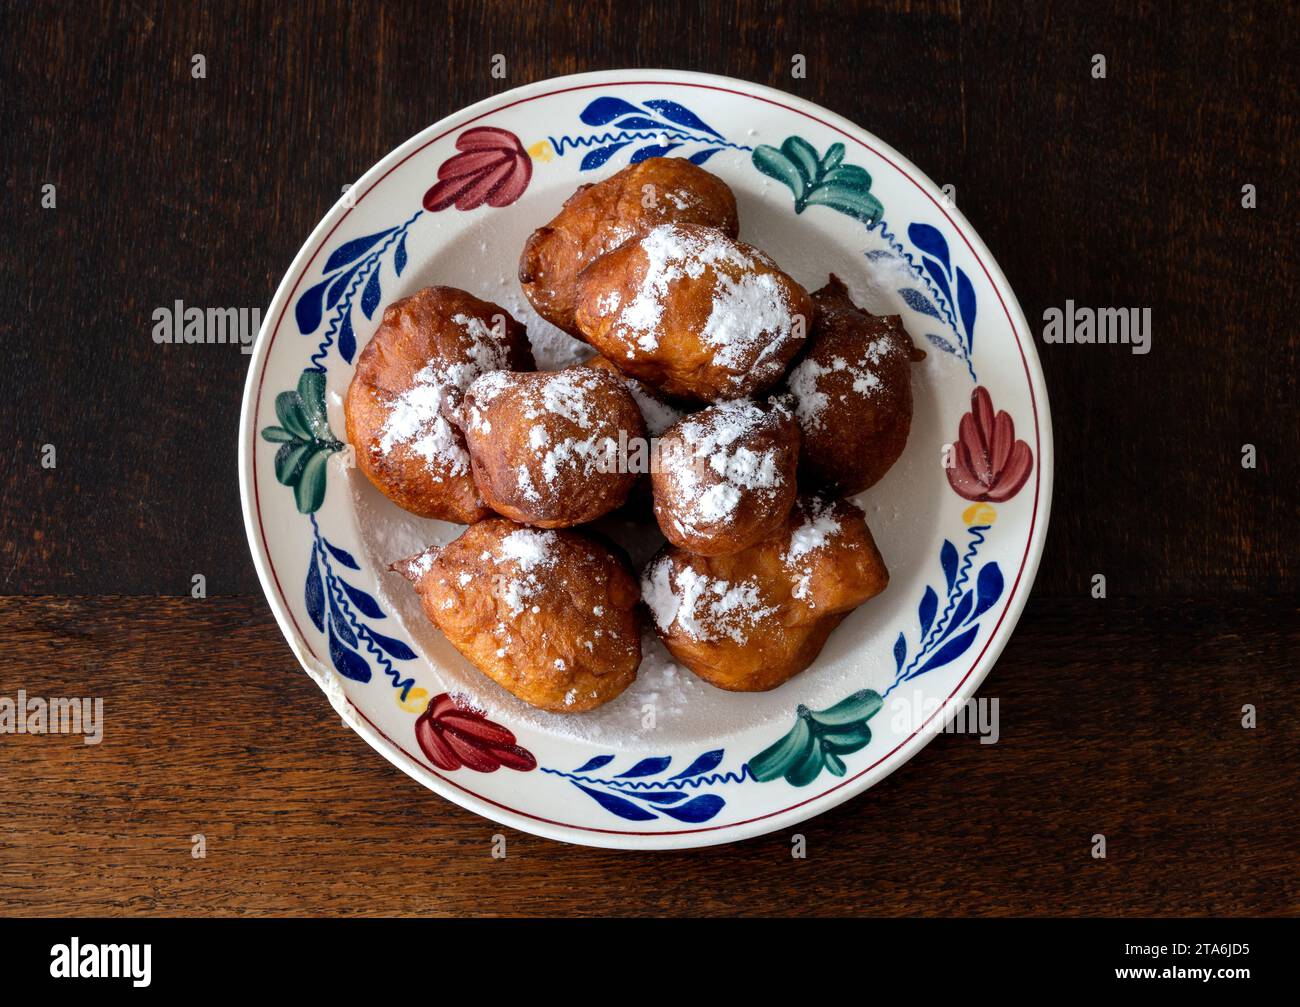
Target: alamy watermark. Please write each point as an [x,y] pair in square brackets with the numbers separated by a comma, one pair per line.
[918,714]
[59,715]
[1099,326]
[178,324]
[75,960]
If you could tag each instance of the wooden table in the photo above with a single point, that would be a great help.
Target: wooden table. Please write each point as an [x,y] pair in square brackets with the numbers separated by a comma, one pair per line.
[1119,716]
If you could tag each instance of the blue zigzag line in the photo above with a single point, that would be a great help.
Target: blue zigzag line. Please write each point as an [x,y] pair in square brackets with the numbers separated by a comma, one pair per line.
[558,144]
[921,275]
[398,682]
[954,595]
[942,302]
[345,303]
[708,779]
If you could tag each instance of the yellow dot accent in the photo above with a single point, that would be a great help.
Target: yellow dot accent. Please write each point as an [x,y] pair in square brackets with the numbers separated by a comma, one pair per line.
[979,513]
[415,702]
[541,151]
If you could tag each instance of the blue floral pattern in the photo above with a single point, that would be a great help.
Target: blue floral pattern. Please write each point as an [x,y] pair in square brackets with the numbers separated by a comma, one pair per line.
[336,609]
[354,266]
[644,792]
[945,636]
[674,126]
[949,295]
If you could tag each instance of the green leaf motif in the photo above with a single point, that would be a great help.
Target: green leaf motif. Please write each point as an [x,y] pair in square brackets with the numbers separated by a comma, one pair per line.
[289,461]
[311,395]
[773,163]
[288,407]
[820,180]
[789,751]
[860,706]
[305,440]
[803,157]
[309,493]
[276,435]
[818,740]
[853,202]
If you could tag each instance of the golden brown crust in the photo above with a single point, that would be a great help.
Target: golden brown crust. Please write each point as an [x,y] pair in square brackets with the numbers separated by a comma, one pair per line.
[693,313]
[750,621]
[853,394]
[426,350]
[550,616]
[727,476]
[600,217]
[547,447]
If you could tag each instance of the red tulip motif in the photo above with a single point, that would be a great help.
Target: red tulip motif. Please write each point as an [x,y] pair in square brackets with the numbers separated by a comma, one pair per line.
[453,736]
[492,167]
[989,463]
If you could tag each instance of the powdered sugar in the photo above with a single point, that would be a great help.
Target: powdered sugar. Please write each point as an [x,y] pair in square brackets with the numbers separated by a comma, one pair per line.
[711,466]
[752,319]
[811,396]
[682,199]
[717,503]
[415,421]
[529,548]
[702,607]
[673,253]
[811,536]
[587,456]
[416,418]
[547,398]
[418,565]
[481,393]
[564,393]
[819,527]
[531,552]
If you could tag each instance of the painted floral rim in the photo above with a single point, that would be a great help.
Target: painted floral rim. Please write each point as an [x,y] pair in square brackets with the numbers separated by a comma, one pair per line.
[492,167]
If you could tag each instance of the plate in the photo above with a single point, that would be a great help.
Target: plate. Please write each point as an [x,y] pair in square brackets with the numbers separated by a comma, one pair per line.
[673,762]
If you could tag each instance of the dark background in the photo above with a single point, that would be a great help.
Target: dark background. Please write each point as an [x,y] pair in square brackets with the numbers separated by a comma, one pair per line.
[1119,716]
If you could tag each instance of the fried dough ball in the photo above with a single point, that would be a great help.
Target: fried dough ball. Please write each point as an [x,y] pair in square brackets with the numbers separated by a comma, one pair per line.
[600,217]
[550,616]
[727,476]
[546,447]
[853,393]
[752,620]
[426,351]
[693,313]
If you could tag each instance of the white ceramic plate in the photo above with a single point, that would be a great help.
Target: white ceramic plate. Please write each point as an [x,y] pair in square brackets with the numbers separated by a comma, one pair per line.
[962,540]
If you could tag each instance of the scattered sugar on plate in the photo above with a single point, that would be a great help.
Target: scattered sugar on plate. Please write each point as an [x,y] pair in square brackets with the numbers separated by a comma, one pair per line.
[657,413]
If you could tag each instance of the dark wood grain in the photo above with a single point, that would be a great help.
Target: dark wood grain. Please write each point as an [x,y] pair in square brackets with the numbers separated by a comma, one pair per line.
[1128,725]
[1120,716]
